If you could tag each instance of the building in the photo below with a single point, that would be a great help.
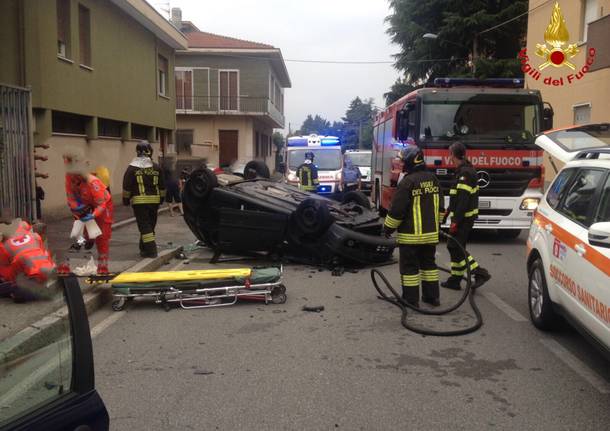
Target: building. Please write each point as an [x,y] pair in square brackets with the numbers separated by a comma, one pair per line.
[582,94]
[101,78]
[229,97]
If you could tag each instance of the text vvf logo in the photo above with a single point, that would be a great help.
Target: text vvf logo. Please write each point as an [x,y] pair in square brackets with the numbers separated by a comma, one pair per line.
[557,52]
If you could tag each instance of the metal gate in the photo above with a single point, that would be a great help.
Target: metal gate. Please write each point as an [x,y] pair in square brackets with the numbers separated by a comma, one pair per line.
[17,189]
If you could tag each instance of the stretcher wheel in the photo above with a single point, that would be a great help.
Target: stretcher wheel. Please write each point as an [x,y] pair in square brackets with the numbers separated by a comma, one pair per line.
[278,294]
[118,304]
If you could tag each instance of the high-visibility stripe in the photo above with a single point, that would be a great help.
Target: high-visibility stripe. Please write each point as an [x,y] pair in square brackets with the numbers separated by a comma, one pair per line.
[436,212]
[457,272]
[429,275]
[156,184]
[472,213]
[391,222]
[410,280]
[458,264]
[594,257]
[148,237]
[471,190]
[453,192]
[417,221]
[417,239]
[146,199]
[140,180]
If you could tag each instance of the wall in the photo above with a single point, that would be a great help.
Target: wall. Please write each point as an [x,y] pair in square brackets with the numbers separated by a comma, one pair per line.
[122,85]
[9,48]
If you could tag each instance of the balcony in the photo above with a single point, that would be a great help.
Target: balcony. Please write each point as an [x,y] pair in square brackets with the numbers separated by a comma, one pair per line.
[242,105]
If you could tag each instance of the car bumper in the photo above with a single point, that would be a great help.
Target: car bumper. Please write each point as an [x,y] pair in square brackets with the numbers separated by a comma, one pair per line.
[355,246]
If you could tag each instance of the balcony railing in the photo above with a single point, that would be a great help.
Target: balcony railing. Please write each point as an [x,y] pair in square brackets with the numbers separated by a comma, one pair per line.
[242,105]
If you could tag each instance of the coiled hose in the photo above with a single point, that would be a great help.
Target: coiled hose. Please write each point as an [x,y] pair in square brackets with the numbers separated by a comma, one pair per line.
[398,301]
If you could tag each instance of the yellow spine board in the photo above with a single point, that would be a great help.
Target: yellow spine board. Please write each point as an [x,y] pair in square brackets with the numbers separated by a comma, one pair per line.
[205,274]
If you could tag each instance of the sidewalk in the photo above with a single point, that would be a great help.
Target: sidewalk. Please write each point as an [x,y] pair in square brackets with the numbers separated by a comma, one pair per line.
[171,232]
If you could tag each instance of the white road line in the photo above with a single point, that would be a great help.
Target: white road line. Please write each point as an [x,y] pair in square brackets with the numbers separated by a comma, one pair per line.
[503,306]
[579,367]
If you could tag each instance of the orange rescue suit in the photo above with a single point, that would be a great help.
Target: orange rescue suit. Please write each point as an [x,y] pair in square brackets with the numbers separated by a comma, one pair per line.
[25,253]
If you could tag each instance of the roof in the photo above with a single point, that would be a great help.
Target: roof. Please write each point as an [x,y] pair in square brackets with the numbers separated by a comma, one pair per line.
[202,39]
[149,18]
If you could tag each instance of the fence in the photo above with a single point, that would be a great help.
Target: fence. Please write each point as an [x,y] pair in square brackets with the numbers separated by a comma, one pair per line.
[17,190]
[229,105]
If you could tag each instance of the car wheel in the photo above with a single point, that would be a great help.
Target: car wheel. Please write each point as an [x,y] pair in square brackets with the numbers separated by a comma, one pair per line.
[256,168]
[541,308]
[201,183]
[509,233]
[312,217]
[357,198]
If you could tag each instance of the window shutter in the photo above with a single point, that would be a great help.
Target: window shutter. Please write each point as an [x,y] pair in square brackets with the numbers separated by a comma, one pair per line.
[84,35]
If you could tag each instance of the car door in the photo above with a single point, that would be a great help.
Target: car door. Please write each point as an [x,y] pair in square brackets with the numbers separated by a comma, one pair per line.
[582,271]
[46,365]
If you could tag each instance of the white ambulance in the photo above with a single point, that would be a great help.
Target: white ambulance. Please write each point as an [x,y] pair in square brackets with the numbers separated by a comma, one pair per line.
[569,242]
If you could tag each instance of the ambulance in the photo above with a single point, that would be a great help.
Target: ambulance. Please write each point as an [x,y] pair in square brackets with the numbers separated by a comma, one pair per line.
[568,259]
[327,157]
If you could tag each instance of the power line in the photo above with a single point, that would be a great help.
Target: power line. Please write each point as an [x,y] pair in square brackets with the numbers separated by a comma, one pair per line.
[514,18]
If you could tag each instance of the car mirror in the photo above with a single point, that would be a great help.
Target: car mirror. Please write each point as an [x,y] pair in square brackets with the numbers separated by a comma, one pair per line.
[547,117]
[599,234]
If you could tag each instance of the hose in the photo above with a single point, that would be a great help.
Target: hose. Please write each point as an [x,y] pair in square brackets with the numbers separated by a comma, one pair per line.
[398,301]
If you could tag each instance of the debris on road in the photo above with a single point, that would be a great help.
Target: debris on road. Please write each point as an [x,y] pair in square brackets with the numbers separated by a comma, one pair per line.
[313,309]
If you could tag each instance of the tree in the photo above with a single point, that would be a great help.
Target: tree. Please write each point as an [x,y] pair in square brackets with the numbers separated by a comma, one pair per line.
[278,140]
[317,125]
[457,24]
[397,90]
[358,124]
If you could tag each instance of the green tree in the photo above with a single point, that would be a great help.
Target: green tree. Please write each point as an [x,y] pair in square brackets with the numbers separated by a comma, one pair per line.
[278,140]
[400,88]
[457,24]
[314,124]
[358,124]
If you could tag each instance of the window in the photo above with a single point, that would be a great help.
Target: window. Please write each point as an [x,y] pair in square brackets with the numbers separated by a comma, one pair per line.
[109,128]
[139,131]
[184,89]
[184,141]
[589,15]
[580,197]
[84,35]
[63,122]
[63,28]
[278,95]
[603,211]
[162,79]
[556,190]
[229,88]
[582,114]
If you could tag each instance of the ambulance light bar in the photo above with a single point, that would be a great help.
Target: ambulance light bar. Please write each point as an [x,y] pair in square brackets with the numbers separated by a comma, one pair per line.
[473,82]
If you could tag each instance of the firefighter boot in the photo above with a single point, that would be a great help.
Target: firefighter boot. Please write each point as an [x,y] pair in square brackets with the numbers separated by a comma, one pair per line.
[481,276]
[411,295]
[452,283]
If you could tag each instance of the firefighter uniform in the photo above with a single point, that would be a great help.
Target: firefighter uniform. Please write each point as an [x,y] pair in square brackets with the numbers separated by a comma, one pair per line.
[463,211]
[144,189]
[416,212]
[308,175]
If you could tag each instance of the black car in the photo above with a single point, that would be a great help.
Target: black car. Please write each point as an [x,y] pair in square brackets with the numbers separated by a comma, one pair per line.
[230,214]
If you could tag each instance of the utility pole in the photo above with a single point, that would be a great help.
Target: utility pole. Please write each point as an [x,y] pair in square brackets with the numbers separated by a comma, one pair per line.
[475,55]
[359,135]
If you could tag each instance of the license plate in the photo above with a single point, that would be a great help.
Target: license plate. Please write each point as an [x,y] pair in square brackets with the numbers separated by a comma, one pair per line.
[484,204]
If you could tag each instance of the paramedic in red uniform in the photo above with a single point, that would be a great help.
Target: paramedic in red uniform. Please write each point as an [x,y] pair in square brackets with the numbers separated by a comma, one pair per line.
[25,263]
[89,199]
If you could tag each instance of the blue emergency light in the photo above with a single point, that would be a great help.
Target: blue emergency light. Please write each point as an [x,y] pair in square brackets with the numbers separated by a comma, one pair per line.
[297,141]
[330,141]
[473,82]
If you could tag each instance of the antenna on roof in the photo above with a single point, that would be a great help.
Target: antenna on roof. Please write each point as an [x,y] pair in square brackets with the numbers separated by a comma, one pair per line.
[162,7]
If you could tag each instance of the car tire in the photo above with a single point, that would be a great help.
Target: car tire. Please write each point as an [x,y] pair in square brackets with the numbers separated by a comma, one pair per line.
[357,198]
[201,183]
[540,305]
[256,169]
[509,233]
[312,217]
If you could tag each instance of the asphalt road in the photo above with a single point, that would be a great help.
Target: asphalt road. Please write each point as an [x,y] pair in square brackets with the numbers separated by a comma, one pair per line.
[353,366]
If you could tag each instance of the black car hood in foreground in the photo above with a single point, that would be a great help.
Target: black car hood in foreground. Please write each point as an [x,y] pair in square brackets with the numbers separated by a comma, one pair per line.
[262,215]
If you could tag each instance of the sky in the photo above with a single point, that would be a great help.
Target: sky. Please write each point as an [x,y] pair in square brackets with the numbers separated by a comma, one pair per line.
[343,30]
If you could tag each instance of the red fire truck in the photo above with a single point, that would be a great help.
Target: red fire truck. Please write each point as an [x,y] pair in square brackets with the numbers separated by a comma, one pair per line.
[496,119]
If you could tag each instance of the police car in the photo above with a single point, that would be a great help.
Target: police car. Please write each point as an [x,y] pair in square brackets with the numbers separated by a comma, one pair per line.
[569,242]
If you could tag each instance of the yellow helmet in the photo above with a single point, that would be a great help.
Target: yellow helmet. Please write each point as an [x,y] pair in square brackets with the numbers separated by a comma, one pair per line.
[103,174]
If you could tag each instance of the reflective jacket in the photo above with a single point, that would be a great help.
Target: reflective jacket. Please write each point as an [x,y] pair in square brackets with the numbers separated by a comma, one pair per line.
[24,252]
[308,177]
[143,183]
[416,209]
[464,194]
[89,195]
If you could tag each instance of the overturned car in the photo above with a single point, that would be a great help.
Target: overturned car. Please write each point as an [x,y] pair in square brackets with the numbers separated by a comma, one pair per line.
[233,215]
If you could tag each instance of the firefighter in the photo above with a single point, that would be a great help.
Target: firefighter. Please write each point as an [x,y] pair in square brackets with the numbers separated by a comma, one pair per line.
[144,189]
[308,174]
[416,211]
[25,263]
[463,211]
[89,199]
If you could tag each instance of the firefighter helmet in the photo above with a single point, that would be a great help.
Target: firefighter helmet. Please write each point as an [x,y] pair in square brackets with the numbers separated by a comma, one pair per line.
[412,157]
[144,149]
[309,155]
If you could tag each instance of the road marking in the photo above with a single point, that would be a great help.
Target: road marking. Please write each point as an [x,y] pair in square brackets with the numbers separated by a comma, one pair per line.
[578,366]
[106,323]
[503,306]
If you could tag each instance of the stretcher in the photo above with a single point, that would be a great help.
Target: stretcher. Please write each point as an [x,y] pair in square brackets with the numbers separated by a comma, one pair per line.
[201,288]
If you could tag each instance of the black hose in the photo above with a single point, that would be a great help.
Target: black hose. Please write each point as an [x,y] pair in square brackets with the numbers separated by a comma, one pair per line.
[398,301]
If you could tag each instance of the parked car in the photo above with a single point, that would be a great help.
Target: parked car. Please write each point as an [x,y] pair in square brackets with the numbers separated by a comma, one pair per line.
[362,160]
[231,214]
[569,242]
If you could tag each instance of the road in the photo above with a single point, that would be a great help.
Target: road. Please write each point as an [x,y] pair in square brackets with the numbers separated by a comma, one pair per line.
[352,366]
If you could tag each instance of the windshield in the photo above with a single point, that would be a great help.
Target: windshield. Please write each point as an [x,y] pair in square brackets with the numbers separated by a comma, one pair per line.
[328,159]
[471,118]
[582,138]
[360,159]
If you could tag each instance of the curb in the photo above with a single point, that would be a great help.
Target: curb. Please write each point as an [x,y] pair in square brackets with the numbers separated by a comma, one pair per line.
[125,222]
[36,336]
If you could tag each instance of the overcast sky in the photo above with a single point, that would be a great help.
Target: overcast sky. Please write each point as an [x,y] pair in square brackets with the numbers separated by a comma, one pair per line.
[310,30]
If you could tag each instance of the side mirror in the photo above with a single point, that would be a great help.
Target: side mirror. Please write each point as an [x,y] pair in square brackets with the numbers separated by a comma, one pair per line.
[547,117]
[599,234]
[281,168]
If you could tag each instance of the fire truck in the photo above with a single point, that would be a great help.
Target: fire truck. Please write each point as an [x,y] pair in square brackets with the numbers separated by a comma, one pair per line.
[496,119]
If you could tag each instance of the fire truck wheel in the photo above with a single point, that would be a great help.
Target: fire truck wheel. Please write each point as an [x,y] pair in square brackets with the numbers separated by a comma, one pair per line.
[256,169]
[357,198]
[312,217]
